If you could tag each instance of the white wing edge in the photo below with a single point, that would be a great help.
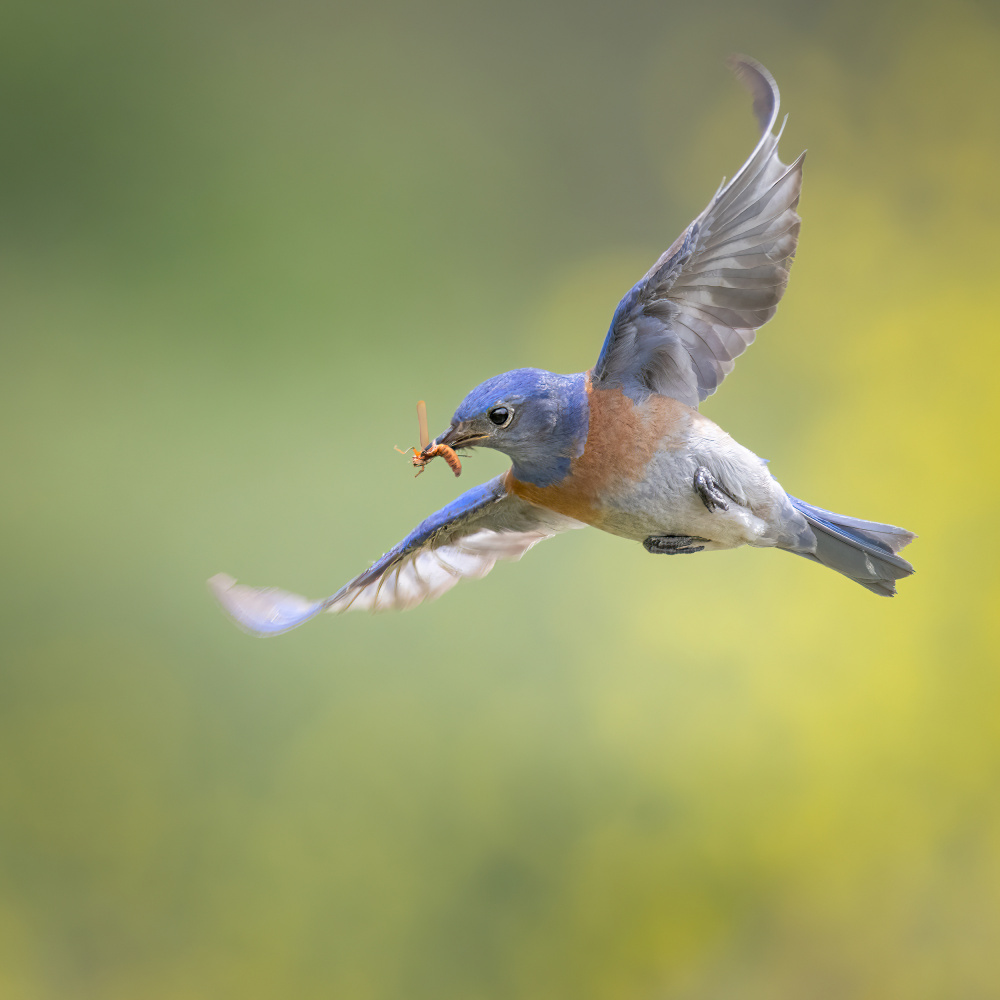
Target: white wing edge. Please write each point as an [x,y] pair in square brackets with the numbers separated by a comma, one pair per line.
[427,573]
[262,611]
[423,575]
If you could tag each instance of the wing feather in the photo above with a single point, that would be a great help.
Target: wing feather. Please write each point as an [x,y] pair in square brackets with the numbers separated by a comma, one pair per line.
[680,329]
[462,541]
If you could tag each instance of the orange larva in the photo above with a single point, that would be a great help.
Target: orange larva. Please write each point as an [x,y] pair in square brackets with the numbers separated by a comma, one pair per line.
[429,449]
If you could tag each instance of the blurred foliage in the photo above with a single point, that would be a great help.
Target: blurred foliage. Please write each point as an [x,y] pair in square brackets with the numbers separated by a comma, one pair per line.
[237,242]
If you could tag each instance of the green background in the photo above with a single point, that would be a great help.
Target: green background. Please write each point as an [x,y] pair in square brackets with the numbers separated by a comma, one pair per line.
[238,242]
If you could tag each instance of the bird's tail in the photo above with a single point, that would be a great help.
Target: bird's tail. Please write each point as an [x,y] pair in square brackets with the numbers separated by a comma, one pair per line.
[865,551]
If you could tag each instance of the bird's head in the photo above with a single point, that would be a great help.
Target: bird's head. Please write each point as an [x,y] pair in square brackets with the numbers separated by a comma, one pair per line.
[537,418]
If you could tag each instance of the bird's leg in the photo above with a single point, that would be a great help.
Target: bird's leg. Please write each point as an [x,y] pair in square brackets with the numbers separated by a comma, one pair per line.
[713,496]
[673,545]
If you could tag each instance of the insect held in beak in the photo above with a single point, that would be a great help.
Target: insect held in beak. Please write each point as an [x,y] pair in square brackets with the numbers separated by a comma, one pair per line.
[429,449]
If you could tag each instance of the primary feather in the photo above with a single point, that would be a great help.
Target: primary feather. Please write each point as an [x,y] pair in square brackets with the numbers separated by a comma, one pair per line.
[680,329]
[463,540]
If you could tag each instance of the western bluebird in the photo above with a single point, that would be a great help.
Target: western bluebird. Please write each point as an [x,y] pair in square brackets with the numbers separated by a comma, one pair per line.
[623,447]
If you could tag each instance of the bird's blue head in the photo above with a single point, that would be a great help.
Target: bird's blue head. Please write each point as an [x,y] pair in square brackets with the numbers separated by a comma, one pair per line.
[537,418]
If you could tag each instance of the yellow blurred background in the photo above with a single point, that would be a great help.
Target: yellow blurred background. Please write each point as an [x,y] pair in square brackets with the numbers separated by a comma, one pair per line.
[238,241]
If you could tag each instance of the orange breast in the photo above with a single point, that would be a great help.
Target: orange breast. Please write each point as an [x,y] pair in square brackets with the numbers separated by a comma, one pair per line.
[621,439]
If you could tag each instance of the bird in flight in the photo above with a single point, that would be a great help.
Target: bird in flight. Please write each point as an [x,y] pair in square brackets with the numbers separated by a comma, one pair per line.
[622,447]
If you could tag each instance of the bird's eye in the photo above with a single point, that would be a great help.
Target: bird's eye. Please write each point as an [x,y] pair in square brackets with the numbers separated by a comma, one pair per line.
[500,415]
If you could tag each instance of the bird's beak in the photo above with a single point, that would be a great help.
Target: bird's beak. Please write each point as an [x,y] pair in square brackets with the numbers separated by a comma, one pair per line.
[459,436]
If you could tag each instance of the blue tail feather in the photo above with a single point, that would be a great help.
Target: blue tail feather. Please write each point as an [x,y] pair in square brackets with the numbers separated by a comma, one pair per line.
[865,551]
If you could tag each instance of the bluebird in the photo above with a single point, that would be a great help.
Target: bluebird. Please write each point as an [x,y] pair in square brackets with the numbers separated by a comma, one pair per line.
[622,447]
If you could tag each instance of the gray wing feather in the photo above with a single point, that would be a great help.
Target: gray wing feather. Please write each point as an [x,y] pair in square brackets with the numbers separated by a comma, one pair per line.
[680,329]
[462,541]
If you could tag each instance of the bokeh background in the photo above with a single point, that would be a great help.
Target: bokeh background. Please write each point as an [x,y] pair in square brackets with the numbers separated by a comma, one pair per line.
[238,242]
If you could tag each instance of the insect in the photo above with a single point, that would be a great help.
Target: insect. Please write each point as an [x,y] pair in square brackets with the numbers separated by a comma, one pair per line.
[429,449]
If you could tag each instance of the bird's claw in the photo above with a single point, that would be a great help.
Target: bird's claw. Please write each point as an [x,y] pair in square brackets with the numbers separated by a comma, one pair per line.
[673,545]
[713,496]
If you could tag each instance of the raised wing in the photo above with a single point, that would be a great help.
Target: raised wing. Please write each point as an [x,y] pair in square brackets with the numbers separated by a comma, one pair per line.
[679,330]
[462,540]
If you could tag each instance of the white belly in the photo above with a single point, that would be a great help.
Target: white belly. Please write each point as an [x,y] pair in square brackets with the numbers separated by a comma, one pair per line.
[665,501]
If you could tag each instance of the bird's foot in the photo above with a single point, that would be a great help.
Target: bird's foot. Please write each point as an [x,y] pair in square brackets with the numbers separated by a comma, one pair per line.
[673,545]
[713,496]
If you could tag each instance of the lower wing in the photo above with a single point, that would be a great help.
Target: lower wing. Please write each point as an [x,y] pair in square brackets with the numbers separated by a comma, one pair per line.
[461,541]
